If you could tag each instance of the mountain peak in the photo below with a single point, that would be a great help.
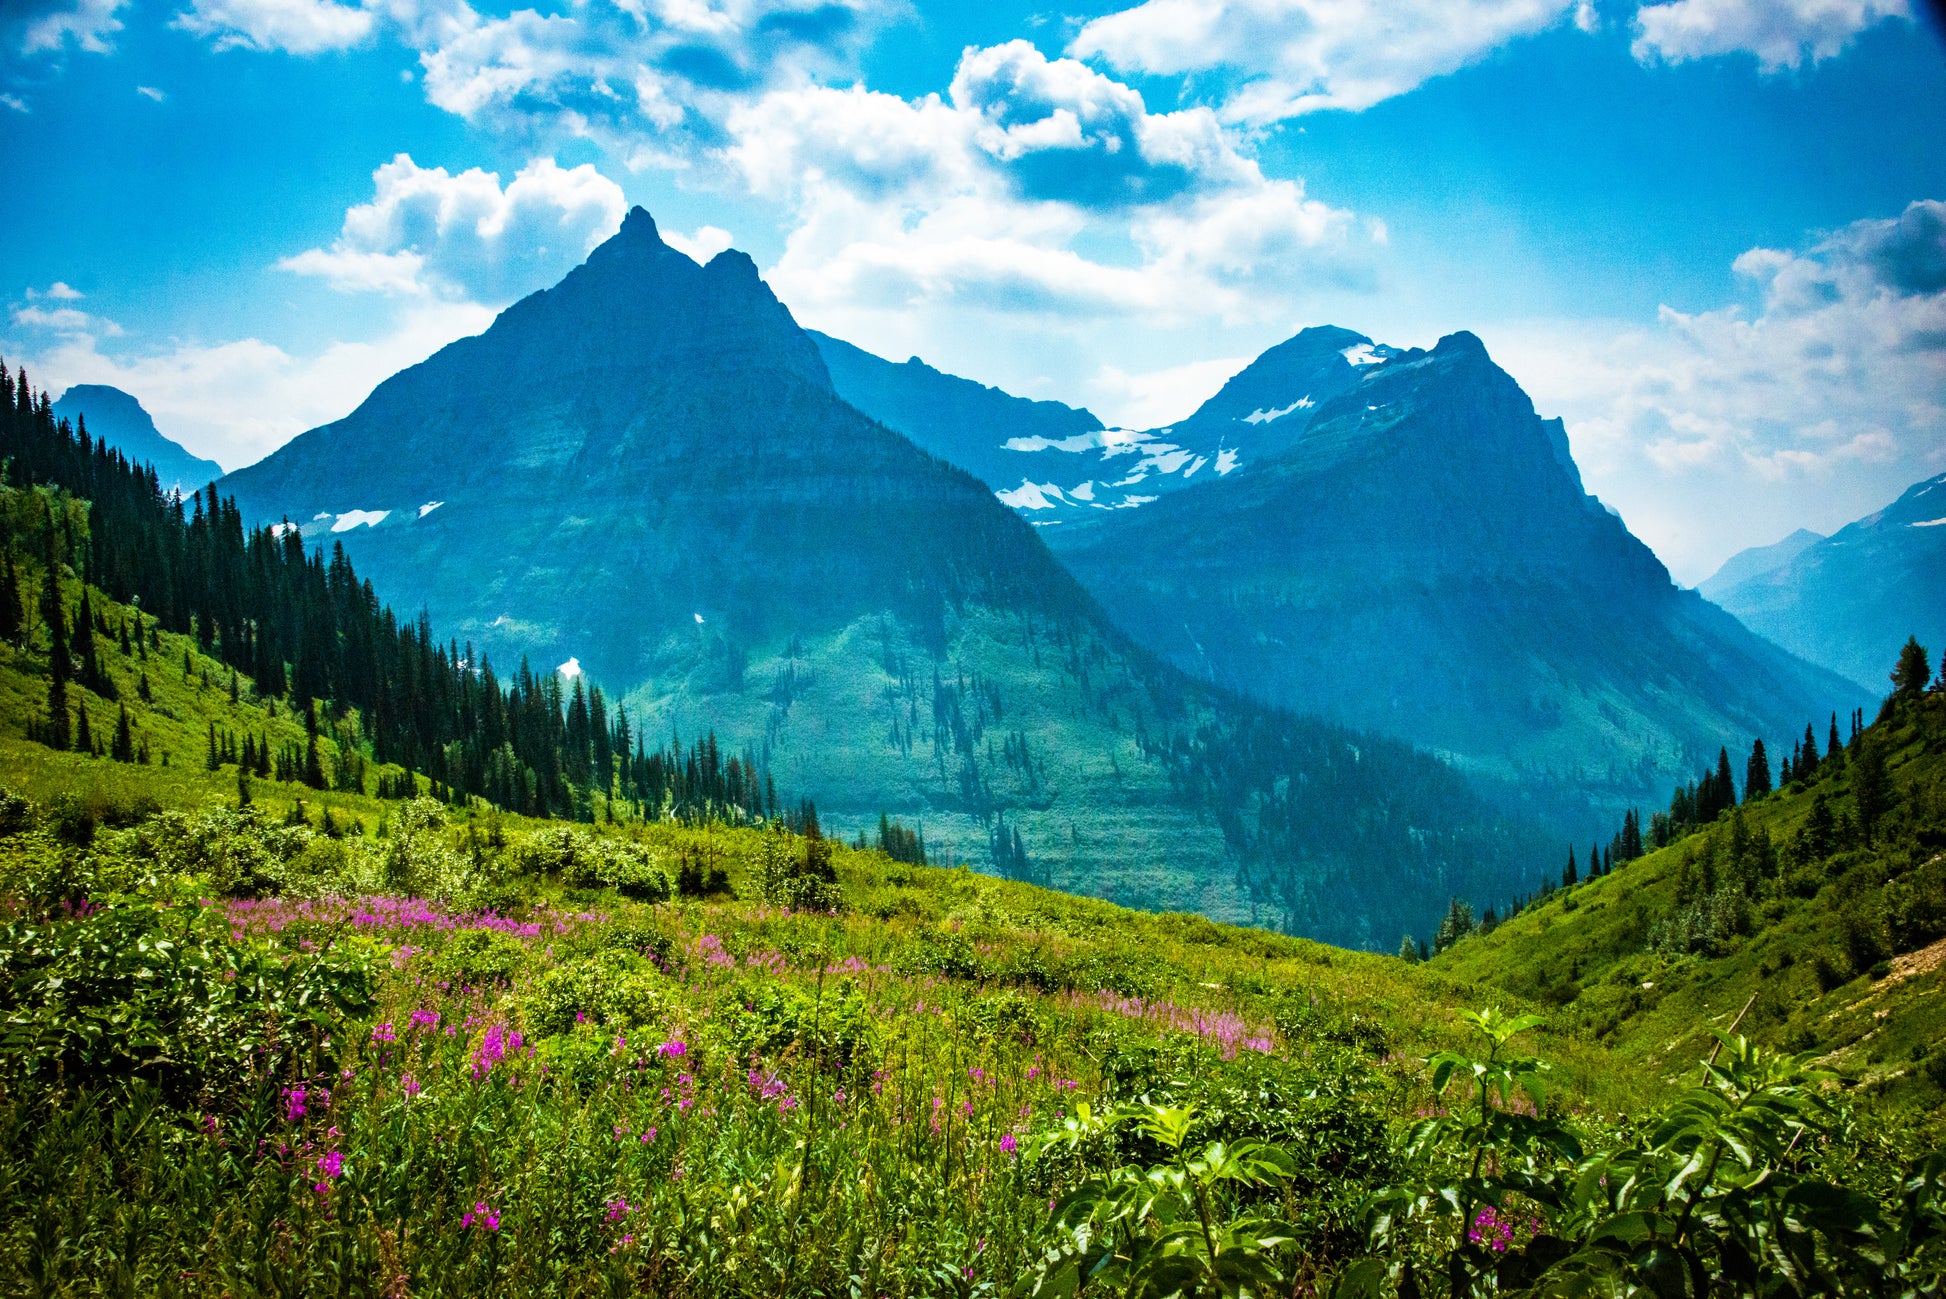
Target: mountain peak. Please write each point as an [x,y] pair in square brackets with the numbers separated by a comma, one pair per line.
[638,227]
[117,418]
[1461,342]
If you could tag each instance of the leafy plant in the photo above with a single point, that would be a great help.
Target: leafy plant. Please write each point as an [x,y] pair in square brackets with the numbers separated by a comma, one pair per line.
[1167,1229]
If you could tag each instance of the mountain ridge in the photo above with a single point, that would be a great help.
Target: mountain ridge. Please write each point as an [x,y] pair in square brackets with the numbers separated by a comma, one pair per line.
[119,419]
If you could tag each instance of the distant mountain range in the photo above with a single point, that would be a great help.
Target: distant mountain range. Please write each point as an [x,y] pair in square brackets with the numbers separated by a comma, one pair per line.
[1397,540]
[118,419]
[1059,465]
[645,473]
[1848,601]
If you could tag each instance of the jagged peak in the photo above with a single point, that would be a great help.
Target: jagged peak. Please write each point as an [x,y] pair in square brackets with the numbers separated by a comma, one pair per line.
[639,227]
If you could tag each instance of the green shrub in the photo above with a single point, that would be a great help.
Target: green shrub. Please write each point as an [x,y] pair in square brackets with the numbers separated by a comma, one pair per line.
[612,989]
[478,957]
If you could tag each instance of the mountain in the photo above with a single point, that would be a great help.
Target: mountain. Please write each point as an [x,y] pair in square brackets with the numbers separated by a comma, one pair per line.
[962,422]
[1423,560]
[1058,465]
[1756,561]
[645,474]
[1848,601]
[118,419]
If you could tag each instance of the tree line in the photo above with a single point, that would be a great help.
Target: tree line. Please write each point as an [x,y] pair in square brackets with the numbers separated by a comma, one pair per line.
[306,627]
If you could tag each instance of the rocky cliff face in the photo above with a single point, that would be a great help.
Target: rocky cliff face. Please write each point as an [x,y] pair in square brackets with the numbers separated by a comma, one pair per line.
[1423,560]
[1848,601]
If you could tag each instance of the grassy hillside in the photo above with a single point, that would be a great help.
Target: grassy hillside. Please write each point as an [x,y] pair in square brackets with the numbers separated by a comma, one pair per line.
[1820,942]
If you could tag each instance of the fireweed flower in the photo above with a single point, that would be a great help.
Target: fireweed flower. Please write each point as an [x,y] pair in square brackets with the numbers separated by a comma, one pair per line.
[673,1049]
[480,1216]
[384,1033]
[1007,1143]
[409,1085]
[293,1104]
[1491,1231]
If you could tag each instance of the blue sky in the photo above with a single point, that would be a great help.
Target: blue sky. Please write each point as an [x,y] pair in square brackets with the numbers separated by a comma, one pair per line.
[1708,233]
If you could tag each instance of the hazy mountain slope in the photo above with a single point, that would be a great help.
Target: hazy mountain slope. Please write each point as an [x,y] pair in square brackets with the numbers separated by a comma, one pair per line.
[962,422]
[1850,600]
[1424,561]
[1057,465]
[645,471]
[118,419]
[1757,560]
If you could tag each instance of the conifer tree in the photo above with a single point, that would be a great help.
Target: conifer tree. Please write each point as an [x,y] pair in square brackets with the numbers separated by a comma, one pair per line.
[1408,950]
[1912,672]
[313,764]
[1807,762]
[1834,749]
[215,760]
[84,740]
[123,749]
[1756,773]
[10,611]
[1726,789]
[1870,788]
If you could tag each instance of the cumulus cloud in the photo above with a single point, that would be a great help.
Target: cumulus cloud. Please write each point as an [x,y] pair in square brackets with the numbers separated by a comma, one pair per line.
[48,26]
[1040,187]
[1781,33]
[1813,405]
[653,77]
[68,320]
[1287,57]
[427,232]
[236,402]
[294,26]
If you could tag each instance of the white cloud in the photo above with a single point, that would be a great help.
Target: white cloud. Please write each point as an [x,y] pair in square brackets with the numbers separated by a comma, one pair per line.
[236,402]
[62,320]
[150,92]
[294,26]
[36,26]
[653,78]
[705,243]
[1158,397]
[428,232]
[1726,428]
[1288,57]
[1781,33]
[1040,189]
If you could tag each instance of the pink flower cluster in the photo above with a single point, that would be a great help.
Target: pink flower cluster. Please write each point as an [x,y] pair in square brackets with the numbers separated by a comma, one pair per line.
[1227,1030]
[480,1216]
[379,912]
[1491,1231]
[495,1045]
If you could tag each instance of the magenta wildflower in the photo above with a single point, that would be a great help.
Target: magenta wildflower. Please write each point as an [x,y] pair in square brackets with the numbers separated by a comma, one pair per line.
[1490,1230]
[674,1048]
[384,1033]
[293,1104]
[1007,1143]
[409,1085]
[481,1216]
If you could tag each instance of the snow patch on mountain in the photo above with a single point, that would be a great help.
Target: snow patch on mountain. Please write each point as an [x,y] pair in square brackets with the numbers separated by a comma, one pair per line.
[1266,416]
[353,518]
[429,507]
[1365,354]
[1929,523]
[1033,496]
[1226,460]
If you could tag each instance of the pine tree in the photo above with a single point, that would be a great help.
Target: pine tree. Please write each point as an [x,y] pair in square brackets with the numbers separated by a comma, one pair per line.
[1913,671]
[1726,789]
[215,760]
[123,749]
[1568,872]
[1869,786]
[84,740]
[1756,773]
[313,765]
[1807,762]
[1408,950]
[10,611]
